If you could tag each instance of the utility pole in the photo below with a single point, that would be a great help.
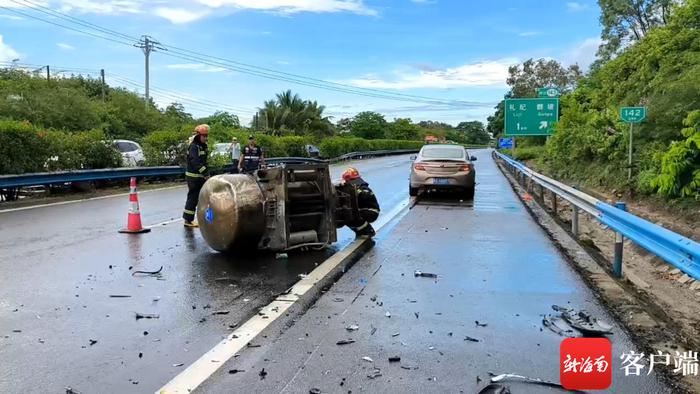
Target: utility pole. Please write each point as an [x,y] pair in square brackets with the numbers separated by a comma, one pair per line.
[148,45]
[102,76]
[48,74]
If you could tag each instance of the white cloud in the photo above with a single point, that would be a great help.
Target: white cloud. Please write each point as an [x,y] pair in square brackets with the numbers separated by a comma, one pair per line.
[484,73]
[11,17]
[583,53]
[294,6]
[65,47]
[7,53]
[529,33]
[573,6]
[196,67]
[180,15]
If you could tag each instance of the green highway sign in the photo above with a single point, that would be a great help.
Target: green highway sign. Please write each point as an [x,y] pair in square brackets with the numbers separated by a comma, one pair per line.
[633,114]
[531,116]
[548,92]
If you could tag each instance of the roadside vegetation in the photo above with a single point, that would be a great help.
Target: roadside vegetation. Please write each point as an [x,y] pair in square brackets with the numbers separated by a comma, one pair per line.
[650,56]
[68,123]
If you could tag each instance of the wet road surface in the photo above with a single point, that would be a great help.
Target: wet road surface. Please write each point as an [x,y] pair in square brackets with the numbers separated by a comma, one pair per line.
[495,266]
[56,283]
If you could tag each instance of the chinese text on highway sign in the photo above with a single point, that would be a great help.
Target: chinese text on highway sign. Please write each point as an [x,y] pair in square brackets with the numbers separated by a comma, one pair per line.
[633,114]
[531,116]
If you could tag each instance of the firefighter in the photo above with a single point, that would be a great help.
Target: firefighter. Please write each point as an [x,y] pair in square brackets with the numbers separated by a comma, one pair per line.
[197,172]
[368,207]
[253,157]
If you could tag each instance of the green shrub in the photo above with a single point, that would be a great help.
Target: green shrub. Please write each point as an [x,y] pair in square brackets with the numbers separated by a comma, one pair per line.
[336,146]
[166,147]
[23,148]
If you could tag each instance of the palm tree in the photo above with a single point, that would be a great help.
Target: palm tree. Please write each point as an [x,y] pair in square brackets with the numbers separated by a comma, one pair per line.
[289,112]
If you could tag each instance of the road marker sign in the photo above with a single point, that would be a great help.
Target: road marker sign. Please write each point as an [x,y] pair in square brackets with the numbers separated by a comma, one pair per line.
[632,115]
[550,92]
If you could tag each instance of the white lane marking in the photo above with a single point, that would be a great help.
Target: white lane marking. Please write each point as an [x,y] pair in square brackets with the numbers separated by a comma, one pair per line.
[85,199]
[164,223]
[199,371]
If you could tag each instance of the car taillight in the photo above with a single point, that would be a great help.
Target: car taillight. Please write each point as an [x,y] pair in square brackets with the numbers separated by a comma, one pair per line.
[419,167]
[465,167]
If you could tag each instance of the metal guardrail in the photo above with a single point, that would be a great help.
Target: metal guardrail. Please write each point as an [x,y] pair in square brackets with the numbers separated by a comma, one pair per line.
[51,178]
[677,250]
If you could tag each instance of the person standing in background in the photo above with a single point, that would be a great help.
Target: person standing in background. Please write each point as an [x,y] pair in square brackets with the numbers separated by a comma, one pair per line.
[235,150]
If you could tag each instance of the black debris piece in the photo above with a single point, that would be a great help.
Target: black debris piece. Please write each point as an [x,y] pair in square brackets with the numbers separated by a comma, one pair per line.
[375,373]
[337,299]
[233,325]
[449,334]
[157,272]
[373,298]
[588,325]
[422,274]
[140,355]
[92,342]
[145,333]
[202,320]
[146,316]
[480,324]
[178,365]
[119,296]
[207,306]
[315,391]
[131,267]
[194,307]
[235,371]
[416,313]
[470,339]
[495,388]
[374,329]
[262,374]
[557,325]
[221,313]
[253,345]
[394,359]
[70,390]
[134,382]
[345,342]
[16,330]
[110,266]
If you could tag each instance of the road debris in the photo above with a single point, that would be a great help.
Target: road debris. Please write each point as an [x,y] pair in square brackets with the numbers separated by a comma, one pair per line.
[495,388]
[375,373]
[262,374]
[352,327]
[315,391]
[16,330]
[510,376]
[368,359]
[338,299]
[250,344]
[119,296]
[480,324]
[553,323]
[418,273]
[92,341]
[416,313]
[140,355]
[178,365]
[202,320]
[145,333]
[408,367]
[581,321]
[235,371]
[146,316]
[387,314]
[145,273]
[207,306]
[70,390]
[470,339]
[431,347]
[396,334]
[374,329]
[394,359]
[345,342]
[221,313]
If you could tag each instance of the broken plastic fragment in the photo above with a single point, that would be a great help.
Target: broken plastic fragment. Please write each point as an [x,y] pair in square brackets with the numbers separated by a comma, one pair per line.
[368,359]
[178,365]
[422,274]
[480,324]
[468,338]
[345,342]
[234,371]
[262,374]
[353,327]
[146,316]
[387,314]
[394,359]
[375,373]
[495,388]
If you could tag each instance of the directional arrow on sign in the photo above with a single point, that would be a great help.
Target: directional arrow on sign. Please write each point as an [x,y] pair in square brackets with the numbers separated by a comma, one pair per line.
[543,124]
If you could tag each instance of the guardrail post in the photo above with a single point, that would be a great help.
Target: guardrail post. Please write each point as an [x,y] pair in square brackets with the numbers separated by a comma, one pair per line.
[554,203]
[574,221]
[619,239]
[541,194]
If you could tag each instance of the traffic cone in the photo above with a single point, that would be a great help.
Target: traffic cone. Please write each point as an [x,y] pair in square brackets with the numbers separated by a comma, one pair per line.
[133,225]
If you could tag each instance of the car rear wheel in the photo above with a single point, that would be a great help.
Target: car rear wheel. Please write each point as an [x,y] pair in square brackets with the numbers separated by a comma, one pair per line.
[412,191]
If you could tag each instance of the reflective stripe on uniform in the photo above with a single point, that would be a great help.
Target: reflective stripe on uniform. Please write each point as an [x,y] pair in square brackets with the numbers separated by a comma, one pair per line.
[202,152]
[202,169]
[359,227]
[366,191]
[190,212]
[251,157]
[370,209]
[193,175]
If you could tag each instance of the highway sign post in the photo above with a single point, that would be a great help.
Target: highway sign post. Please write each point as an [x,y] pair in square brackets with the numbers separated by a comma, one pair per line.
[506,143]
[632,115]
[530,116]
[550,92]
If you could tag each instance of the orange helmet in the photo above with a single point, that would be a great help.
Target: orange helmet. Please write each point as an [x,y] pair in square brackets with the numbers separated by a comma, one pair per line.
[350,173]
[202,129]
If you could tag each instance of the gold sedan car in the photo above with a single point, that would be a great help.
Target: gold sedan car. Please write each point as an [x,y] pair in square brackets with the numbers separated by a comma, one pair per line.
[442,167]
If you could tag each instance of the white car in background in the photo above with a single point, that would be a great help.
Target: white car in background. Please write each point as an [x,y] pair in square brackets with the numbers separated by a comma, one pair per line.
[221,149]
[132,153]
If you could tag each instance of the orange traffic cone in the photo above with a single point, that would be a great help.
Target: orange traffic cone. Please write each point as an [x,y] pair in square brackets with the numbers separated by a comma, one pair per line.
[133,225]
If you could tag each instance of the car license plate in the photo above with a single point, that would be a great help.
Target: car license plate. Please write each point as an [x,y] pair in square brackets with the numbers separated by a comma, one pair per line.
[441,181]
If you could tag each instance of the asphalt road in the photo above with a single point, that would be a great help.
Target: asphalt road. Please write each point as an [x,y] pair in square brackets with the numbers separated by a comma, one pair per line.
[56,282]
[494,265]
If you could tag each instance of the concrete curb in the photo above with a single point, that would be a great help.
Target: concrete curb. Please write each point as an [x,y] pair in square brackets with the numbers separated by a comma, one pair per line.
[644,328]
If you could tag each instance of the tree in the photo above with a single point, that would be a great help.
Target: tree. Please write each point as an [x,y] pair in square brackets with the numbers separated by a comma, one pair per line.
[176,116]
[369,125]
[474,132]
[402,129]
[344,125]
[289,114]
[524,79]
[627,21]
[496,121]
[221,118]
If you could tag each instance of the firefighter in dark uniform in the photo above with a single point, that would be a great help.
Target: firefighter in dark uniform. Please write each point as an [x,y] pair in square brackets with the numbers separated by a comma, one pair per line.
[251,157]
[197,172]
[367,205]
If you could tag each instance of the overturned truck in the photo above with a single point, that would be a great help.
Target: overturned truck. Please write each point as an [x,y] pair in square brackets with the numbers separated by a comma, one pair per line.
[290,205]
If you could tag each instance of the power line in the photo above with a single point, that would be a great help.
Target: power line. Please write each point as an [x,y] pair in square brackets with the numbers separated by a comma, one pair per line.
[243,67]
[148,45]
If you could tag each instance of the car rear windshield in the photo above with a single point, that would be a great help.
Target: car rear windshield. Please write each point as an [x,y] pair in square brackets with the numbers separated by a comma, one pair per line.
[126,146]
[443,153]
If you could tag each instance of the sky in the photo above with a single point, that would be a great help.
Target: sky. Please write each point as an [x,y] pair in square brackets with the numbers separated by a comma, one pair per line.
[454,51]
